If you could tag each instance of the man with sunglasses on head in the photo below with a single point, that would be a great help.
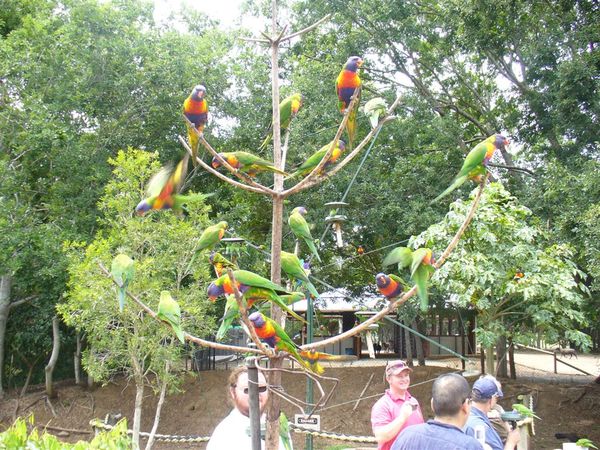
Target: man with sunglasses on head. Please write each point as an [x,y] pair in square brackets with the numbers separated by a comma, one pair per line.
[485,394]
[397,409]
[451,405]
[234,430]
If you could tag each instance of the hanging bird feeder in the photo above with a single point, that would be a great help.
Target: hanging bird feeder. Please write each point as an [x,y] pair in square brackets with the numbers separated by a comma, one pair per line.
[336,219]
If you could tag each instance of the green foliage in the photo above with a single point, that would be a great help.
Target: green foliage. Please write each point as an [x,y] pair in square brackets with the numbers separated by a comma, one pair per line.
[159,243]
[18,437]
[484,272]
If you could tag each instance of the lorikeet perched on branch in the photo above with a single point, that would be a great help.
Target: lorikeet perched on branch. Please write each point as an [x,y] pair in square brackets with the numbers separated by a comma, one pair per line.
[122,270]
[212,235]
[168,310]
[292,266]
[288,108]
[421,267]
[247,163]
[195,108]
[314,160]
[300,228]
[389,285]
[163,190]
[346,84]
[475,164]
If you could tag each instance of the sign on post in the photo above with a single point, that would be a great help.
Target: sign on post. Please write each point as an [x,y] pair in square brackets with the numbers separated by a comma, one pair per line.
[312,423]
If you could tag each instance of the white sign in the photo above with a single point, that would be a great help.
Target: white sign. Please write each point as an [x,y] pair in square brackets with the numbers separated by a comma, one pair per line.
[312,423]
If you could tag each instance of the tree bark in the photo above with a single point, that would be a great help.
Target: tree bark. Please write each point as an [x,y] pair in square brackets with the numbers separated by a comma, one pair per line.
[489,360]
[5,286]
[138,376]
[408,347]
[161,400]
[419,344]
[511,360]
[49,369]
[77,360]
[501,352]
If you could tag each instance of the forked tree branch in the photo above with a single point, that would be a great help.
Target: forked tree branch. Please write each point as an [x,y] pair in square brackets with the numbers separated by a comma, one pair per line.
[393,305]
[305,30]
[187,336]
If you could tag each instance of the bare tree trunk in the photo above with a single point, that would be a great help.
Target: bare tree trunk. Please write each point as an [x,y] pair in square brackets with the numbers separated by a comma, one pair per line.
[408,347]
[161,400]
[489,360]
[511,360]
[501,352]
[77,360]
[139,399]
[419,344]
[49,369]
[482,358]
[5,286]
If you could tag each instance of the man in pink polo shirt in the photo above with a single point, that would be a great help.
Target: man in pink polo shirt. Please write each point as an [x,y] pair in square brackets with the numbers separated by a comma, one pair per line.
[397,409]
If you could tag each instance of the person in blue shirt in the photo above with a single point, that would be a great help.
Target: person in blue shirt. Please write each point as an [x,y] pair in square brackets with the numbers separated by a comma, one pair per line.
[451,404]
[485,394]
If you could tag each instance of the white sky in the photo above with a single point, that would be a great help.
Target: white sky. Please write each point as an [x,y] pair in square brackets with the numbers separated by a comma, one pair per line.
[225,11]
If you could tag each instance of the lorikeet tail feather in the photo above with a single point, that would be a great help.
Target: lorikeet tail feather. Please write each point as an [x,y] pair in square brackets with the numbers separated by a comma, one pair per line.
[194,142]
[459,181]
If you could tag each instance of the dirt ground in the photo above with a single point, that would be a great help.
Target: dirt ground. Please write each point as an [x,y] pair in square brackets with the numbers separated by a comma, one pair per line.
[568,408]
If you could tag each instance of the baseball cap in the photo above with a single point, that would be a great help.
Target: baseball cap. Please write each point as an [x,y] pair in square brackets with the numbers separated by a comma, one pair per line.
[487,388]
[395,367]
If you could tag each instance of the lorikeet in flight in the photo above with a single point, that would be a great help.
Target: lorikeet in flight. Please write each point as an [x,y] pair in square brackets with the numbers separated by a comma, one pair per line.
[247,163]
[313,357]
[195,108]
[122,270]
[252,287]
[211,236]
[300,228]
[421,267]
[475,164]
[288,108]
[314,160]
[346,83]
[292,266]
[163,190]
[271,333]
[389,285]
[168,310]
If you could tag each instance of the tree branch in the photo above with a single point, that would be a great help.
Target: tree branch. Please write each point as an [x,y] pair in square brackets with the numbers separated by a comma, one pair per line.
[518,169]
[21,301]
[187,336]
[305,30]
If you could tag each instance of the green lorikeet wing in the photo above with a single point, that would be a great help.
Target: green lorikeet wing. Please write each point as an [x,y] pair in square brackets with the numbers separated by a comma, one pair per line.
[288,108]
[253,163]
[254,294]
[292,266]
[373,109]
[285,344]
[299,227]
[253,280]
[168,310]
[400,255]
[292,298]
[307,166]
[284,431]
[524,410]
[420,277]
[231,312]
[420,256]
[122,270]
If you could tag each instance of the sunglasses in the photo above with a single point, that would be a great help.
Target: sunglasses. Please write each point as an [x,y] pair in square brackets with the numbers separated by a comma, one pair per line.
[261,390]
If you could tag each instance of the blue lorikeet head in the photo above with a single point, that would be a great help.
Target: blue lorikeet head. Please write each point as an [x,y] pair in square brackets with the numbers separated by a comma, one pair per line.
[214,291]
[257,319]
[142,208]
[353,63]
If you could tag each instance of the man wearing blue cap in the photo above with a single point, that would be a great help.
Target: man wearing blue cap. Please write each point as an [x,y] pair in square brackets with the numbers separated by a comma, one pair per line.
[484,395]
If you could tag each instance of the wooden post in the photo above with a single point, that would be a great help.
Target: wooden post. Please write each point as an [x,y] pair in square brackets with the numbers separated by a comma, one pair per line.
[254,404]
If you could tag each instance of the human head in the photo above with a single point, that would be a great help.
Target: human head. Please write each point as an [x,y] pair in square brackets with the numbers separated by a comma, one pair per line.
[485,393]
[238,390]
[397,374]
[450,397]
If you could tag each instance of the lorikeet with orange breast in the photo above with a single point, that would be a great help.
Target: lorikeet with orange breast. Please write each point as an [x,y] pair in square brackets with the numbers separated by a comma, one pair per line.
[195,108]
[246,162]
[389,285]
[475,165]
[346,84]
[314,160]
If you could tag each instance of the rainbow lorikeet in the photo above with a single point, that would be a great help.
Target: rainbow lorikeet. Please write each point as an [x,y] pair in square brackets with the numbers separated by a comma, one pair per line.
[292,266]
[288,108]
[195,108]
[220,263]
[272,334]
[314,160]
[346,84]
[122,270]
[253,288]
[421,267]
[211,236]
[475,164]
[300,228]
[389,285]
[313,357]
[247,163]
[163,190]
[168,311]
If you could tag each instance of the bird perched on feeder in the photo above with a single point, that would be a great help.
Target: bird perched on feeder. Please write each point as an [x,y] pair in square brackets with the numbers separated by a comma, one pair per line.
[313,161]
[163,190]
[389,285]
[299,227]
[288,108]
[247,163]
[346,84]
[169,311]
[421,267]
[122,270]
[524,410]
[475,164]
[211,236]
[195,108]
